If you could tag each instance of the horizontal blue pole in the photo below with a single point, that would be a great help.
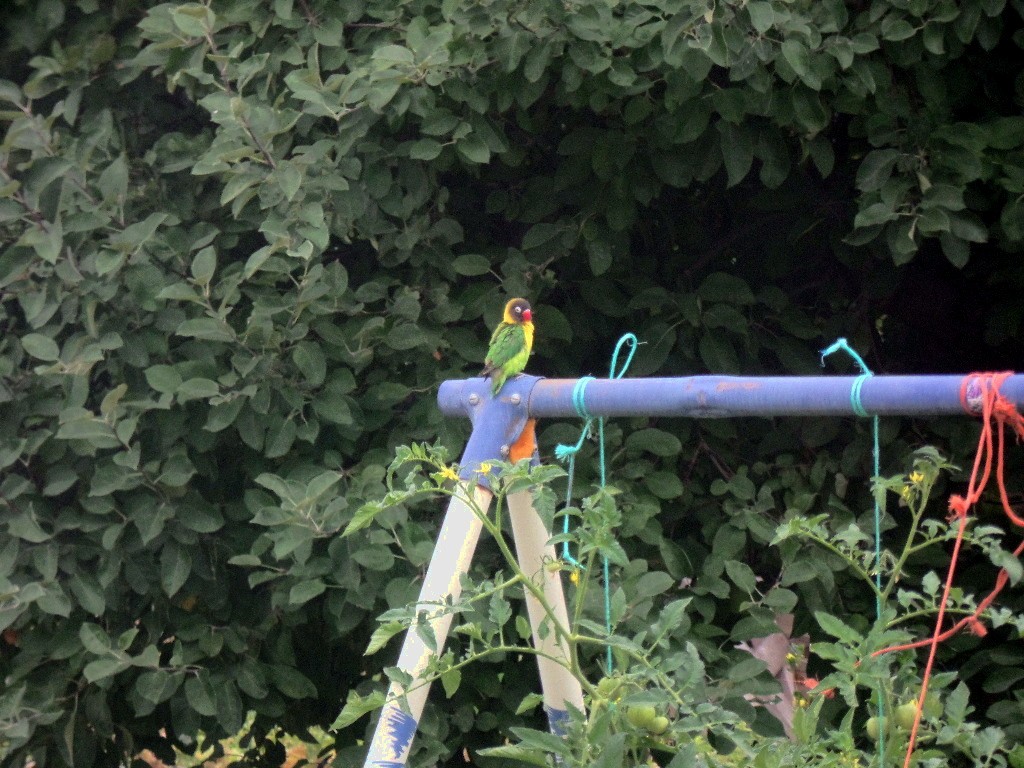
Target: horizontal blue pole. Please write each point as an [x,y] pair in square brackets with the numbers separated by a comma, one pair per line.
[732,396]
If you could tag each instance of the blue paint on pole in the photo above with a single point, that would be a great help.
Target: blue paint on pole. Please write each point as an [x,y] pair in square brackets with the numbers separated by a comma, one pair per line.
[558,724]
[558,720]
[398,729]
[732,396]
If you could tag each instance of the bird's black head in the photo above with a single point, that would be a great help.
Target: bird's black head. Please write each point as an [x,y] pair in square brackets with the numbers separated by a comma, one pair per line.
[518,311]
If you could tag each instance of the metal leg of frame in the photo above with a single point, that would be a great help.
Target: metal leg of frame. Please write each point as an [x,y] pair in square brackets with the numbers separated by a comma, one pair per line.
[453,553]
[560,688]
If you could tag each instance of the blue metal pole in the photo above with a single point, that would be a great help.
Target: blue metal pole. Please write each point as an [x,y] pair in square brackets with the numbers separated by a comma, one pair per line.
[730,396]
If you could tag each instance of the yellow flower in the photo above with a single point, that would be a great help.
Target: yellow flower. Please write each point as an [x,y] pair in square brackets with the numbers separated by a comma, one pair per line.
[448,473]
[574,576]
[916,478]
[486,467]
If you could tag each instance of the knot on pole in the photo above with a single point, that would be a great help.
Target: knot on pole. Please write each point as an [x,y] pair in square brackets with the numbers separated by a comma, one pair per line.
[578,396]
[841,344]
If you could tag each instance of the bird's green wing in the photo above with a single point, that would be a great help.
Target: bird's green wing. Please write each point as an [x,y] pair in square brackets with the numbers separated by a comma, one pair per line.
[498,330]
[506,343]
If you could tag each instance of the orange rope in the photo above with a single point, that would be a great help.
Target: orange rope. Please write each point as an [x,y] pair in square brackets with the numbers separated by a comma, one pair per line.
[993,408]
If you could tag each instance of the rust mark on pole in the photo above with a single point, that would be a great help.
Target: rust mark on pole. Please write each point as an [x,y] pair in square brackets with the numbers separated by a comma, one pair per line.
[728,386]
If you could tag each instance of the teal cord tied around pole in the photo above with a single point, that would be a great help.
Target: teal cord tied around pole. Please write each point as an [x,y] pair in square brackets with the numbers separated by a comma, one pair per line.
[567,453]
[859,409]
[578,399]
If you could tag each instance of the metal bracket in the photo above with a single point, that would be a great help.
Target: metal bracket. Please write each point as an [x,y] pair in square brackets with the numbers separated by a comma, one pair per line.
[497,421]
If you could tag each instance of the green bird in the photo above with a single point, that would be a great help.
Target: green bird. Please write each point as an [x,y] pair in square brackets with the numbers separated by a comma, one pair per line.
[510,346]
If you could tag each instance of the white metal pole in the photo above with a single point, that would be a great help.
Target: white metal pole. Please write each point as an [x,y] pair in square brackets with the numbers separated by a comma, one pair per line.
[560,688]
[453,553]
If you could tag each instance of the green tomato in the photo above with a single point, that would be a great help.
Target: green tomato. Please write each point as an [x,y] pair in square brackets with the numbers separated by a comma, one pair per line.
[641,716]
[905,715]
[874,726]
[609,687]
[658,725]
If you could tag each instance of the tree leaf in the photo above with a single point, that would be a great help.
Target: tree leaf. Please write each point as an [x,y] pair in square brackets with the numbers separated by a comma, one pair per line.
[652,584]
[200,695]
[94,639]
[474,149]
[40,347]
[197,388]
[967,226]
[875,169]
[655,441]
[737,152]
[471,264]
[163,378]
[203,266]
[310,360]
[206,328]
[100,669]
[425,149]
[291,682]
[393,54]
[798,57]
[175,568]
[897,29]
[281,438]
[230,712]
[92,430]
[721,286]
[194,19]
[745,669]
[305,591]
[762,16]
[874,214]
[158,685]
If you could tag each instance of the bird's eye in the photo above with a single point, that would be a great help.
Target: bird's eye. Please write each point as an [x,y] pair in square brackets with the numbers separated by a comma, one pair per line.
[519,310]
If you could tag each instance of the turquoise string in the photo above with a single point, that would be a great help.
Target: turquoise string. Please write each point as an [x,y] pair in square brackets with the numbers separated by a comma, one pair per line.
[578,399]
[568,453]
[858,408]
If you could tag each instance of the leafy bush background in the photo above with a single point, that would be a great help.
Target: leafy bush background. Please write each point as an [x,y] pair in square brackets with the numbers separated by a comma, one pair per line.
[243,242]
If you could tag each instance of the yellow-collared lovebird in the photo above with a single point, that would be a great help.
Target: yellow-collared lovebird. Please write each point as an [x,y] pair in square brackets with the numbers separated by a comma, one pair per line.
[511,343]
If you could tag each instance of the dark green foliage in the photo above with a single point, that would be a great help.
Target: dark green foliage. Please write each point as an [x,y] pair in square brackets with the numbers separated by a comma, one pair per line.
[241,244]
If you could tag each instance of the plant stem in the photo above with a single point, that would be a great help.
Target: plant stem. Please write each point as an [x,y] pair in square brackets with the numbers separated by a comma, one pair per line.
[908,547]
[853,564]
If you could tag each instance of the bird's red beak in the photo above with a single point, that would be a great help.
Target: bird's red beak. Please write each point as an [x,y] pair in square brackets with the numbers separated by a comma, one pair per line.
[527,316]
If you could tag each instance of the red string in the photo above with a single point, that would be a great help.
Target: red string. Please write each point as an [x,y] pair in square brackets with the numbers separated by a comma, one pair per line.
[994,408]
